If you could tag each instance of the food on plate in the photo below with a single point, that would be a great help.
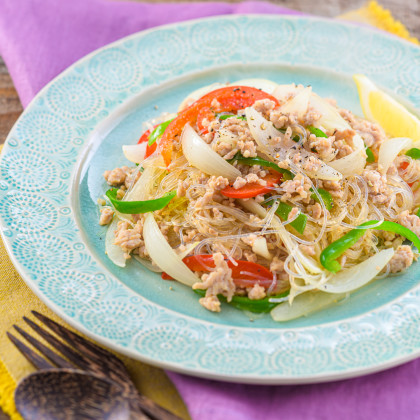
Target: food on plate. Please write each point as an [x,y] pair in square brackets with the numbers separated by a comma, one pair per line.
[269,197]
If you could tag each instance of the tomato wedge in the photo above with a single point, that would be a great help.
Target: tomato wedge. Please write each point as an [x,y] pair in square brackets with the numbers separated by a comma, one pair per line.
[245,274]
[253,189]
[145,137]
[231,99]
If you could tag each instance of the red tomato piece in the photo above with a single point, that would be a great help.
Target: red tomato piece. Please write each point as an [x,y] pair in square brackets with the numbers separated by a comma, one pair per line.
[245,274]
[145,137]
[253,189]
[230,99]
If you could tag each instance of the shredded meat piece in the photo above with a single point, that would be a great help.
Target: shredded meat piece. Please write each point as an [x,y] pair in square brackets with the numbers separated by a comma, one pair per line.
[211,303]
[410,221]
[106,216]
[297,188]
[264,106]
[379,192]
[281,120]
[250,256]
[311,116]
[214,185]
[402,259]
[257,292]
[219,281]
[277,266]
[323,146]
[250,178]
[116,177]
[315,210]
[335,188]
[293,213]
[128,238]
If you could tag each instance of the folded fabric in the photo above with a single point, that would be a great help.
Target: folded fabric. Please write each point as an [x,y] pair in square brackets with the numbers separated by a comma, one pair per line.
[39,39]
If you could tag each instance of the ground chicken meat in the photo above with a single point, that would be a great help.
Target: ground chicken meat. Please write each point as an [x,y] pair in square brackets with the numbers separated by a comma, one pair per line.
[264,106]
[323,146]
[257,292]
[116,177]
[128,238]
[106,216]
[379,192]
[335,188]
[277,266]
[411,221]
[315,211]
[219,281]
[308,250]
[297,188]
[211,303]
[281,120]
[402,259]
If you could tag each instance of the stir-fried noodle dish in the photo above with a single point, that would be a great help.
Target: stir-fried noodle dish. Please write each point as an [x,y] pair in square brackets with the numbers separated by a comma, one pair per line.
[266,197]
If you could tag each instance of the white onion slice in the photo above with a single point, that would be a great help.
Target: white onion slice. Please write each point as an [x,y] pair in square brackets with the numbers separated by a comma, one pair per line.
[263,84]
[135,152]
[260,248]
[141,188]
[200,155]
[114,252]
[357,276]
[389,150]
[304,304]
[163,255]
[283,91]
[148,264]
[331,119]
[298,104]
[197,94]
[261,129]
[325,172]
[355,162]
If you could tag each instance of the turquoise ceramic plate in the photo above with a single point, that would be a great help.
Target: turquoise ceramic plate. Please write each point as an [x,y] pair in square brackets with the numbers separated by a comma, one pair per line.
[51,178]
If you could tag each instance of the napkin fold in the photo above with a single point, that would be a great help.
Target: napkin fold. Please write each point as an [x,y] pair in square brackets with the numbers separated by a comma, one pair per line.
[38,40]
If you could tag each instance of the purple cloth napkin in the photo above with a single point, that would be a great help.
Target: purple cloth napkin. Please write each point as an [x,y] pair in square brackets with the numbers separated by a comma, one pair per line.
[39,39]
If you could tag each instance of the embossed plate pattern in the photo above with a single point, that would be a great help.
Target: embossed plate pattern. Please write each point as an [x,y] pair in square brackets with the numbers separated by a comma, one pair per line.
[39,204]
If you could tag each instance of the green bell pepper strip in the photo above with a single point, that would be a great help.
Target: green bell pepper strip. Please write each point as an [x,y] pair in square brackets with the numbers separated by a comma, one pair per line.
[136,207]
[334,250]
[226,116]
[246,304]
[283,211]
[326,198]
[262,162]
[316,131]
[158,131]
[418,213]
[370,156]
[413,153]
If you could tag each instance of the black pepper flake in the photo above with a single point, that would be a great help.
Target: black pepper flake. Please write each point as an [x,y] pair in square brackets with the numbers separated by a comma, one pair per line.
[236,89]
[244,91]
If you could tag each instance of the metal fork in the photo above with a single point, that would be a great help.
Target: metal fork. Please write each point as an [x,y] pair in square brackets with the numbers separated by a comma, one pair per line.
[87,356]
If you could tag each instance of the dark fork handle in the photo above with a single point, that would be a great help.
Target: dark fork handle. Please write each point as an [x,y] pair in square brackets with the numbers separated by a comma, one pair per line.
[141,403]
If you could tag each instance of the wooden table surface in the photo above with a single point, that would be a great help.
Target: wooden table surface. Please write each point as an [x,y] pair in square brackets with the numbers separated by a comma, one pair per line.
[408,11]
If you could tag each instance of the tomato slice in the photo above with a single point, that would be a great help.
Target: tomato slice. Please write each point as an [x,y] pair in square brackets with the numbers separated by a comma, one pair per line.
[145,137]
[245,274]
[253,189]
[231,99]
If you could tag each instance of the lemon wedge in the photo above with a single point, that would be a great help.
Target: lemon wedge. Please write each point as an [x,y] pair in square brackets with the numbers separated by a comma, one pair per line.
[381,108]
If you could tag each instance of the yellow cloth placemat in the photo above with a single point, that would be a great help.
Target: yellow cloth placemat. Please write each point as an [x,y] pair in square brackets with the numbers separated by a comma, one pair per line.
[17,300]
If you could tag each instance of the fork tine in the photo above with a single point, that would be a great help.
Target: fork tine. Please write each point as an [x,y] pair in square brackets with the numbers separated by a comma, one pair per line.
[90,350]
[71,354]
[38,361]
[53,357]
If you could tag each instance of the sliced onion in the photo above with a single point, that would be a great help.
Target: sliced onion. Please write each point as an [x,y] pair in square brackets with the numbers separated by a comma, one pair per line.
[304,304]
[263,84]
[389,150]
[142,187]
[200,155]
[135,152]
[330,119]
[197,94]
[325,172]
[284,91]
[148,264]
[260,248]
[114,252]
[188,250]
[298,104]
[355,277]
[355,162]
[261,129]
[163,255]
